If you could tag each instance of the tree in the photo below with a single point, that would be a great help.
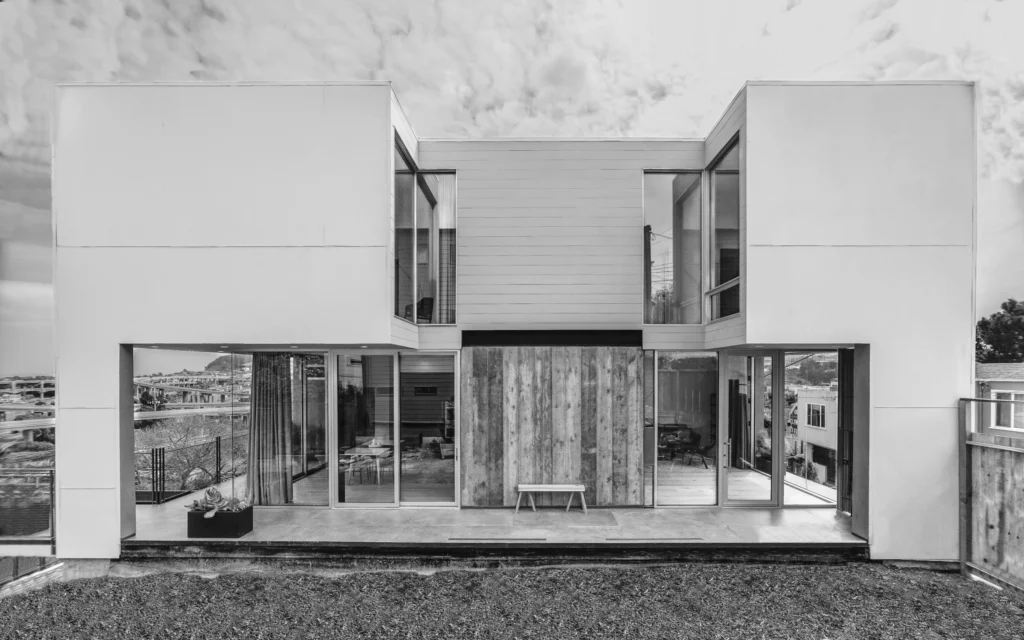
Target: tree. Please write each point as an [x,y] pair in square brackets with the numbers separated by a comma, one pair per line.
[1000,337]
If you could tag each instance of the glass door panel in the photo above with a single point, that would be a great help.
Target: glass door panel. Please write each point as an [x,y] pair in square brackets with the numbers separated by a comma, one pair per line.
[687,429]
[812,427]
[750,447]
[315,419]
[427,432]
[365,428]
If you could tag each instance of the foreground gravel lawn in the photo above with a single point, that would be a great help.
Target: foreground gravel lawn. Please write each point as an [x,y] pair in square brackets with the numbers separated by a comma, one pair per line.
[683,601]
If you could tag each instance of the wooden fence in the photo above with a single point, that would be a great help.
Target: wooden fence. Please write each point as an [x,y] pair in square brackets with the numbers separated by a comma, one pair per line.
[991,496]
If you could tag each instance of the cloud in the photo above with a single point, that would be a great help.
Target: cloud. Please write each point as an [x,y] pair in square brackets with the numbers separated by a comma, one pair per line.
[500,68]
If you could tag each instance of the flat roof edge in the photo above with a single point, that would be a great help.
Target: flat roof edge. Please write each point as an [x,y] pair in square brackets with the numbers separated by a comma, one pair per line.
[567,139]
[847,83]
[229,83]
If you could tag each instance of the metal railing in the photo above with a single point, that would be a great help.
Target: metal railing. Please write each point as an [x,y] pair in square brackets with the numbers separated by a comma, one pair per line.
[27,506]
[13,568]
[163,474]
[991,473]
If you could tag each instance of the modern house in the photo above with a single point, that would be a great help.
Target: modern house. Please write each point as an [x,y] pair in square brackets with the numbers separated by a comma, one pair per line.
[610,312]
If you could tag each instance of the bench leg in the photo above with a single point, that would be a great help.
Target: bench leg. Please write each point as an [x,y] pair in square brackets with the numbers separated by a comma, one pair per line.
[518,500]
[532,504]
[571,496]
[583,499]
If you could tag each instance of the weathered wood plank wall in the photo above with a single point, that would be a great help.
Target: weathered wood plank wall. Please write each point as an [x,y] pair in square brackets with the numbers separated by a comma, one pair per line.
[997,507]
[552,415]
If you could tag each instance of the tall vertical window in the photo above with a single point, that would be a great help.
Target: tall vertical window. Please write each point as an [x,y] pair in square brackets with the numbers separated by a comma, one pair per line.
[725,235]
[435,248]
[672,248]
[425,244]
[405,223]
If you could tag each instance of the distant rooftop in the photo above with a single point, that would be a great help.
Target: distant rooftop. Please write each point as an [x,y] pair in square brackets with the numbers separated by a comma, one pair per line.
[999,371]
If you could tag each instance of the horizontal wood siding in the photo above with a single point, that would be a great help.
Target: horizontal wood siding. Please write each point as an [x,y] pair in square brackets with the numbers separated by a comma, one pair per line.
[404,334]
[550,231]
[543,415]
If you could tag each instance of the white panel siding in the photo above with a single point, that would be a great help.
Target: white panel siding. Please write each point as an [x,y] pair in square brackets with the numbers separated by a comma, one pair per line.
[725,333]
[550,232]
[440,338]
[404,333]
[679,337]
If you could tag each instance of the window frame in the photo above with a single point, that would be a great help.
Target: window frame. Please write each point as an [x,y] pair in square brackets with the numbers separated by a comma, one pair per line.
[821,415]
[701,175]
[712,288]
[416,172]
[1015,396]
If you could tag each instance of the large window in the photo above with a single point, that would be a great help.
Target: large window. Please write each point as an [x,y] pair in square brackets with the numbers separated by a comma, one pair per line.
[816,415]
[405,222]
[424,244]
[672,248]
[725,235]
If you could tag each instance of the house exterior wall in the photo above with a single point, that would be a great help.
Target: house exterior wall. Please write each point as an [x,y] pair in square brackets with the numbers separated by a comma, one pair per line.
[550,231]
[203,215]
[865,195]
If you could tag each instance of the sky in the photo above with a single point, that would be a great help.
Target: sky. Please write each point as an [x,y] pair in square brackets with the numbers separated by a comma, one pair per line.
[508,68]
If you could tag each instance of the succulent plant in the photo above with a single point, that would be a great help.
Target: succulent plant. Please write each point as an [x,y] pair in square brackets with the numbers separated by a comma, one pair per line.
[212,502]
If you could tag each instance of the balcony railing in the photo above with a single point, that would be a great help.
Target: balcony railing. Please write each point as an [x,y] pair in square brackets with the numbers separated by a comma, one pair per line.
[26,506]
[163,473]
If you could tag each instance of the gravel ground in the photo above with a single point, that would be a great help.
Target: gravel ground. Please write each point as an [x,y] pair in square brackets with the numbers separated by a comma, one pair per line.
[681,601]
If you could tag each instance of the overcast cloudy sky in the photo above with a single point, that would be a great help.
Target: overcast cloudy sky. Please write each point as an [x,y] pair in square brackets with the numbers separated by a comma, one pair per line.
[508,68]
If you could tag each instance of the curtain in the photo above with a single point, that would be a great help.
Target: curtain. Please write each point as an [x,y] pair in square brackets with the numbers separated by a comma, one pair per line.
[269,480]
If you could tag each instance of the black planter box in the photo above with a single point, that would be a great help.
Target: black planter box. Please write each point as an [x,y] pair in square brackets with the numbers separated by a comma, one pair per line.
[225,524]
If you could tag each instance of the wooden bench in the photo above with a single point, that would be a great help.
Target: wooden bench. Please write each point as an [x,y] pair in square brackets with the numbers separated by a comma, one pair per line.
[571,489]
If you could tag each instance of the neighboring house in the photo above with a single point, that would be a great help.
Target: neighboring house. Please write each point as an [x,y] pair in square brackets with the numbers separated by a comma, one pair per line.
[817,415]
[518,300]
[1000,381]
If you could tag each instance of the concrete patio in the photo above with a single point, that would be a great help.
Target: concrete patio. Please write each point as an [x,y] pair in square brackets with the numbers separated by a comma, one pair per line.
[309,527]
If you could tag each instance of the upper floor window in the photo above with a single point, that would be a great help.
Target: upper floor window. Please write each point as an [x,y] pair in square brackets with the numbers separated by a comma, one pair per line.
[815,415]
[672,248]
[725,234]
[424,244]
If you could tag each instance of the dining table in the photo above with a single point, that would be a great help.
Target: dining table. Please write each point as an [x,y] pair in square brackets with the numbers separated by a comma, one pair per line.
[375,453]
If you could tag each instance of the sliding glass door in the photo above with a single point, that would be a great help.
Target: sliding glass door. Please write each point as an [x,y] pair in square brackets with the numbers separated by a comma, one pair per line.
[428,437]
[364,418]
[751,387]
[394,433]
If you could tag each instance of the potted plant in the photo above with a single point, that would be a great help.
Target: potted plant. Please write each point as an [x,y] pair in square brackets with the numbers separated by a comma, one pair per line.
[215,516]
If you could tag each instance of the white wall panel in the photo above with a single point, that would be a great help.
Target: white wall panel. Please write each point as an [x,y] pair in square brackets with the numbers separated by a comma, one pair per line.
[238,295]
[913,483]
[193,165]
[88,523]
[860,165]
